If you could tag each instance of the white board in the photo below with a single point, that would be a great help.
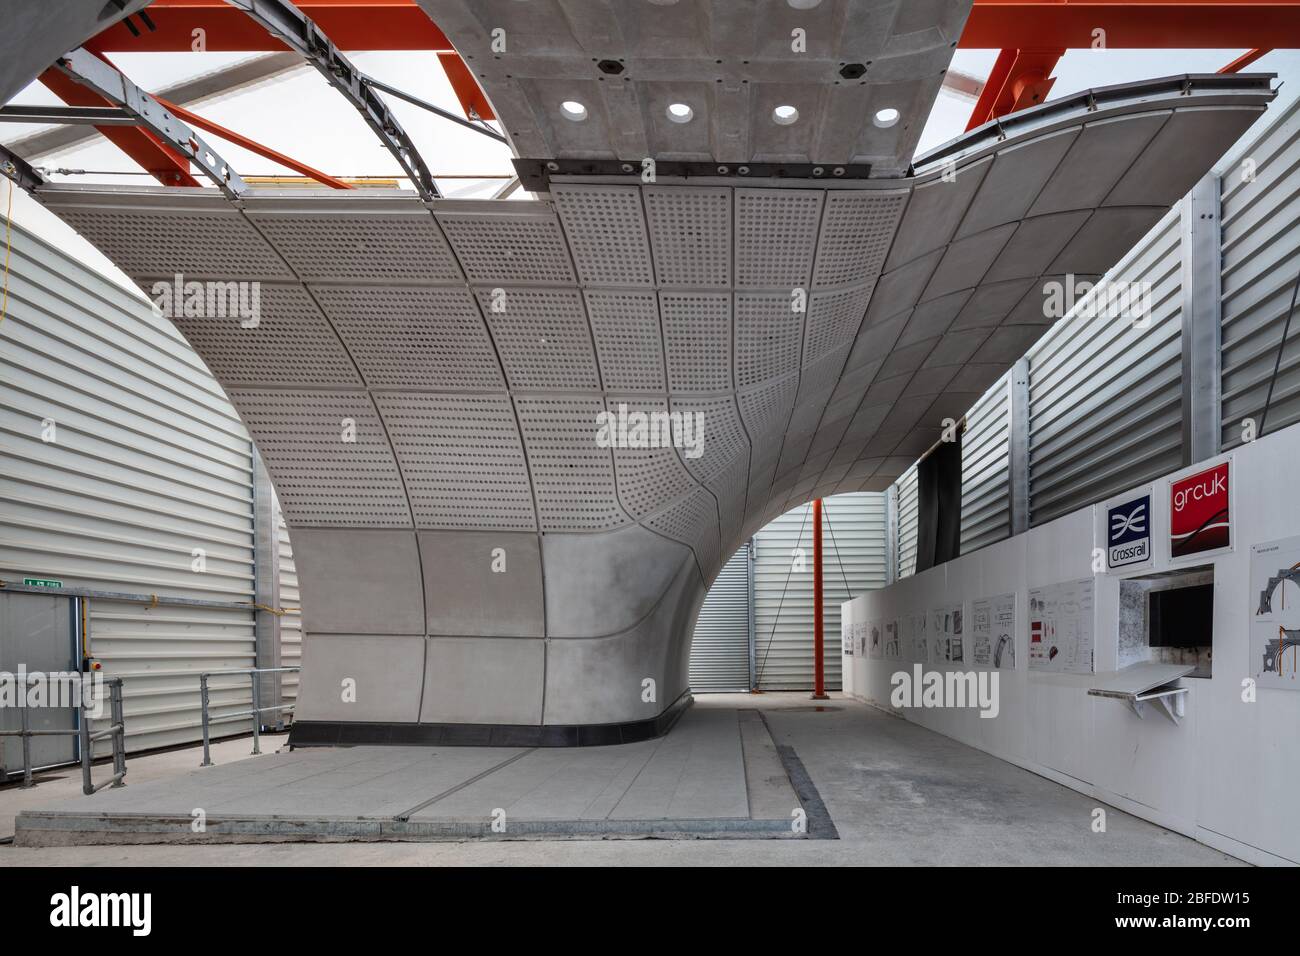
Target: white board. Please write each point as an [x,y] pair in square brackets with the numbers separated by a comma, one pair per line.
[993,632]
[1275,613]
[1060,627]
[893,641]
[946,645]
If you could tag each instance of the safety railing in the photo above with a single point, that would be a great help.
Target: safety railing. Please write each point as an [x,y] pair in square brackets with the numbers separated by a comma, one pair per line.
[116,731]
[256,713]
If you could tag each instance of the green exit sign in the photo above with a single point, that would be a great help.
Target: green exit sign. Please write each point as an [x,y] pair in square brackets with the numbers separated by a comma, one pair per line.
[42,583]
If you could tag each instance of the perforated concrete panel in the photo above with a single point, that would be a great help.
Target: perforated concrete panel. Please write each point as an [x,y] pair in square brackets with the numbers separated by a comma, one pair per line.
[446,384]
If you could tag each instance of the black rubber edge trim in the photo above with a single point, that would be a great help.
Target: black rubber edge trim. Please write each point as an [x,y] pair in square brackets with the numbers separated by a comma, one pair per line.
[535,174]
[328,733]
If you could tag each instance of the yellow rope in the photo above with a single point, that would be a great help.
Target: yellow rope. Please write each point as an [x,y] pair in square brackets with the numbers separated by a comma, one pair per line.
[277,611]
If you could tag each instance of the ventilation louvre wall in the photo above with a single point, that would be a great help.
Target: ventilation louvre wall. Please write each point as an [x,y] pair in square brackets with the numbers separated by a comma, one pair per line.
[1261,262]
[908,517]
[1105,398]
[986,470]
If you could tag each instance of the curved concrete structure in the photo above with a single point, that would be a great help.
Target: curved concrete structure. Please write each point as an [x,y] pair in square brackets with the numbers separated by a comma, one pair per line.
[426,381]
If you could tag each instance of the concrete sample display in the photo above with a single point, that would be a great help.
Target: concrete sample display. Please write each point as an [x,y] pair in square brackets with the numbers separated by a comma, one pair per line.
[428,383]
[515,441]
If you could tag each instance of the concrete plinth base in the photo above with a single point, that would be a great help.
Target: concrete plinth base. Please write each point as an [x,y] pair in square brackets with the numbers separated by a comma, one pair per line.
[717,775]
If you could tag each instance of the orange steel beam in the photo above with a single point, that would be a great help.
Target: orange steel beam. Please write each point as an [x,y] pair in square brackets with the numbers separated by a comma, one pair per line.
[253,146]
[1145,24]
[819,642]
[1024,27]
[153,155]
[1243,61]
[472,99]
[993,24]
[351,24]
[1019,79]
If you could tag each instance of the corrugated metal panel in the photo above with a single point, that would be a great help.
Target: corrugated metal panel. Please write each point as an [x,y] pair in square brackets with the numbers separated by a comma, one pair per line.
[986,470]
[1105,398]
[1261,239]
[291,619]
[854,555]
[720,644]
[908,516]
[144,489]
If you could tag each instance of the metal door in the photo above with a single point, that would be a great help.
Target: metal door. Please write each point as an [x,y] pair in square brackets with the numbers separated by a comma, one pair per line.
[37,634]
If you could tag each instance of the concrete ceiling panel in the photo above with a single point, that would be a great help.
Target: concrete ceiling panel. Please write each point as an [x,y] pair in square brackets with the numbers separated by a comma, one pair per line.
[731,65]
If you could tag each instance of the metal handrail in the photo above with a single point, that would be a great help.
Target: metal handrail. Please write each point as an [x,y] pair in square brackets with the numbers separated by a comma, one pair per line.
[256,712]
[116,731]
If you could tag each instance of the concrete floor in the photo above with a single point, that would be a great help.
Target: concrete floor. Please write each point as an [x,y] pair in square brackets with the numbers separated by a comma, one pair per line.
[898,794]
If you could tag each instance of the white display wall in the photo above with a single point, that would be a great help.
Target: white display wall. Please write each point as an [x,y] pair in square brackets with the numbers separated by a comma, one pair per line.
[1228,775]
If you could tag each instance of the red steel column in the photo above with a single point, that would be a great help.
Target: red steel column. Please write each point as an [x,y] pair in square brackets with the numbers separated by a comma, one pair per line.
[819,655]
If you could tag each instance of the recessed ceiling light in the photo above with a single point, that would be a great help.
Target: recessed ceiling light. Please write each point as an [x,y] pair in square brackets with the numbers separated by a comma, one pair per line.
[680,113]
[803,4]
[886,118]
[573,110]
[784,115]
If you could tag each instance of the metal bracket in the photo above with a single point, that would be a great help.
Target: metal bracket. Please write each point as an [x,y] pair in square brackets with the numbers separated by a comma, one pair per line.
[477,126]
[291,26]
[20,171]
[67,115]
[89,70]
[1173,700]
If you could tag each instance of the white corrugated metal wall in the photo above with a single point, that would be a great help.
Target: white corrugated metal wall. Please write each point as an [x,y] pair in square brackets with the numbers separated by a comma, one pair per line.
[291,619]
[985,470]
[1105,396]
[1261,238]
[147,478]
[720,644]
[854,557]
[908,519]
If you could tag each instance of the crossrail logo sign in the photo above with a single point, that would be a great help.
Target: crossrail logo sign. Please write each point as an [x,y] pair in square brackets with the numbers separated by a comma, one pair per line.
[1128,532]
[1198,512]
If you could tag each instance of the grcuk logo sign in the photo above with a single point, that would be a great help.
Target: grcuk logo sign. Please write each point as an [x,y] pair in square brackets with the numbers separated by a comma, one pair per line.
[1198,512]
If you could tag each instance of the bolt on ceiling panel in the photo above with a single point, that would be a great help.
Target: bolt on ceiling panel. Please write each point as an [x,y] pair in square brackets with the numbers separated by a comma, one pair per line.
[772,81]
